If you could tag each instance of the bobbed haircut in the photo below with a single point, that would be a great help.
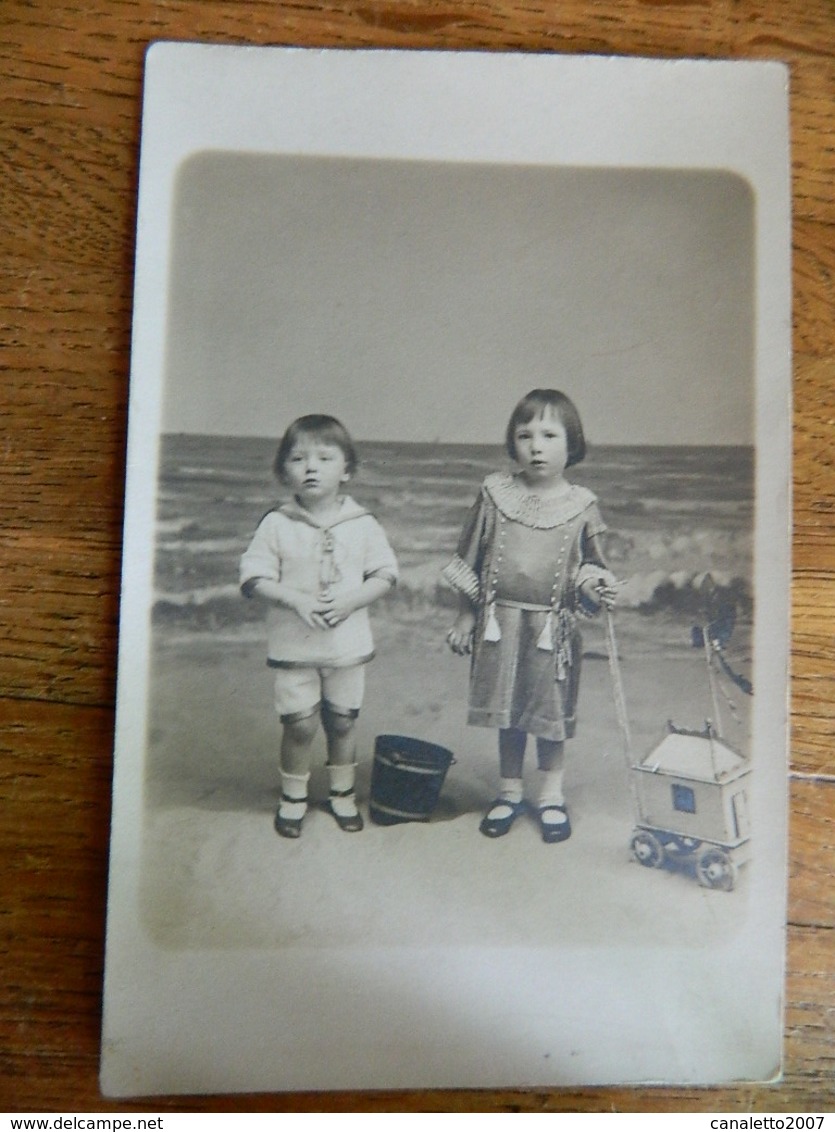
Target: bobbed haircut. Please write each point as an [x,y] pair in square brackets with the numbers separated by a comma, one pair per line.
[534,404]
[325,429]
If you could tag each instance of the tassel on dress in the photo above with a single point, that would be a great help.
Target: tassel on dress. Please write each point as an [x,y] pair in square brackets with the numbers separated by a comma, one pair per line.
[546,637]
[492,632]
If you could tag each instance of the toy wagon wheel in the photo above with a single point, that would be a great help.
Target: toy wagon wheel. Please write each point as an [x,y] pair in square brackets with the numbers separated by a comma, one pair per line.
[647,849]
[715,869]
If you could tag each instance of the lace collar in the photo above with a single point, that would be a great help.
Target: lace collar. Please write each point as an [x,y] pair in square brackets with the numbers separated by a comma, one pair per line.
[522,506]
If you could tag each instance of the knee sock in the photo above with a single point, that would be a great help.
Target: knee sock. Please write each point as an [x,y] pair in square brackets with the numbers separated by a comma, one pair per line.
[293,804]
[342,799]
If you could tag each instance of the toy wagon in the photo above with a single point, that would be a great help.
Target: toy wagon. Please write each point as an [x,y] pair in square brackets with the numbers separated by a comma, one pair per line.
[690,797]
[690,791]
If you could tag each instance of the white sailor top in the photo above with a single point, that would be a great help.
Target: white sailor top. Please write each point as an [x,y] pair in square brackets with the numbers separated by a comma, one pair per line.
[291,546]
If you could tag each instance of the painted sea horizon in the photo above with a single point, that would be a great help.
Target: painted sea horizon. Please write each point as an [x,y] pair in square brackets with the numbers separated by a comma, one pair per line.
[673,514]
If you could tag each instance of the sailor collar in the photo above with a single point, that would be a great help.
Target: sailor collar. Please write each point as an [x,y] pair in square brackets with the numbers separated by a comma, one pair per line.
[521,506]
[348,510]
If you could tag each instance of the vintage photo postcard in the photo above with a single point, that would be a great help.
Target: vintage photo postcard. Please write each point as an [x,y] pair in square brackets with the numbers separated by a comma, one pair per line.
[451,738]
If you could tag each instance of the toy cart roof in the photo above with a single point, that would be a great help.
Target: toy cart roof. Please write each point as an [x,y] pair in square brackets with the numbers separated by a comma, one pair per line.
[695,756]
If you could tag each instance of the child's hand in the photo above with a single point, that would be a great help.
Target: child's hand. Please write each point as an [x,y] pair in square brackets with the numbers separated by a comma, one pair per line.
[602,590]
[338,610]
[460,636]
[313,610]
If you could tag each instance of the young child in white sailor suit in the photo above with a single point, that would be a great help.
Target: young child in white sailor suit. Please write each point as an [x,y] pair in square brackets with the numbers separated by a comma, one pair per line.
[317,563]
[529,561]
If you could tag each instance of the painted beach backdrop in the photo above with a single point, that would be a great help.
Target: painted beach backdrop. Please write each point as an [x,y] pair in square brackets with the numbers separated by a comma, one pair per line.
[215,872]
[673,513]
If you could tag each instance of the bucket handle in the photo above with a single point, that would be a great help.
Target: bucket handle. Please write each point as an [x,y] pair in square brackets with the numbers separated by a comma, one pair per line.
[397,757]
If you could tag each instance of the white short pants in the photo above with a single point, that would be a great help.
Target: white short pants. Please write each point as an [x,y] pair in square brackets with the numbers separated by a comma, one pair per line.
[299,692]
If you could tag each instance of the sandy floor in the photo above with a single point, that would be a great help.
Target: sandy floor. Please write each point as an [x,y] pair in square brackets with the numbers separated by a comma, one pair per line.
[217,876]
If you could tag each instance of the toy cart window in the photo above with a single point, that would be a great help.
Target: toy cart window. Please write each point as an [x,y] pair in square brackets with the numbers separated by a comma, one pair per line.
[684,799]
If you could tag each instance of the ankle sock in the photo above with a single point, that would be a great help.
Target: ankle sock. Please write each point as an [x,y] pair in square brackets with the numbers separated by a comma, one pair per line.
[342,798]
[550,794]
[511,792]
[293,805]
[550,788]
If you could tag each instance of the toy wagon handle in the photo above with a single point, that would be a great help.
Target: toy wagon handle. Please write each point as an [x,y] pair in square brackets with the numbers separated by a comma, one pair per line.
[617,684]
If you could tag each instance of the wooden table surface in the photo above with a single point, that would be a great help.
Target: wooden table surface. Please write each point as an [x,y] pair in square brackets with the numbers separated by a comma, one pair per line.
[70,97]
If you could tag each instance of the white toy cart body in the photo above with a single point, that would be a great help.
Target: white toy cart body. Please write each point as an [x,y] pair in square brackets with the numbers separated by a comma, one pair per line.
[691,791]
[691,798]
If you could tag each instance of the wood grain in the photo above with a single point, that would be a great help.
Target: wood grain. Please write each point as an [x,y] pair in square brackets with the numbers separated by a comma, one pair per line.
[69,130]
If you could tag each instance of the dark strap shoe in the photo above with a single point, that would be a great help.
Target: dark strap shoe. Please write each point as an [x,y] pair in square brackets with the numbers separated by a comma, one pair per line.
[552,831]
[289,827]
[499,826]
[352,824]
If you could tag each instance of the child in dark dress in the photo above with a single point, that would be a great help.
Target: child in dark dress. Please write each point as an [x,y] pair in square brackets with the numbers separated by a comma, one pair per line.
[528,563]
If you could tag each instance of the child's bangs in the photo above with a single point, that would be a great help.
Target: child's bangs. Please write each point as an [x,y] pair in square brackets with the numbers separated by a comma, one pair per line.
[536,407]
[331,435]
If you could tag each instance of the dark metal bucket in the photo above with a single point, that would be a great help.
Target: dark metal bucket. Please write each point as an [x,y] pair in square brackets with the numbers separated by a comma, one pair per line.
[406,779]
